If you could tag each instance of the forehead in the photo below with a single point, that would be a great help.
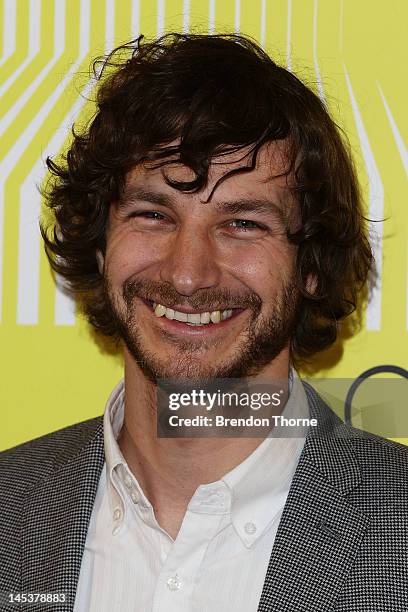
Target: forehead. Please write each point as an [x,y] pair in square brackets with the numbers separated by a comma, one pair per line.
[269,175]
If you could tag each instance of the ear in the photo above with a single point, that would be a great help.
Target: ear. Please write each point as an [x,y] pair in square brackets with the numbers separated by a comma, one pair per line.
[311,283]
[100,260]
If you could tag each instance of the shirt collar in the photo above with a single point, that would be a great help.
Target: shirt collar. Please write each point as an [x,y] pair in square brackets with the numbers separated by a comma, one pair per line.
[260,484]
[120,480]
[254,492]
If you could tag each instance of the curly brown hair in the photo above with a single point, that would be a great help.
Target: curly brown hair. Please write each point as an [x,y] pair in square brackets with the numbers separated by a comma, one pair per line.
[211,92]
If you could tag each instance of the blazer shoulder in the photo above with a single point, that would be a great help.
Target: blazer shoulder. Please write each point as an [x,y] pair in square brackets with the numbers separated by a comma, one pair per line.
[383,466]
[382,460]
[379,459]
[28,463]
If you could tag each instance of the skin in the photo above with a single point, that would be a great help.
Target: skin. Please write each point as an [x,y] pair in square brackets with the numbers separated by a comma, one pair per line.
[194,255]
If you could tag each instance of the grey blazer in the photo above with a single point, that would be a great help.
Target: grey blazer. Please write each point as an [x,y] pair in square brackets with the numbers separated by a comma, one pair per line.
[341,546]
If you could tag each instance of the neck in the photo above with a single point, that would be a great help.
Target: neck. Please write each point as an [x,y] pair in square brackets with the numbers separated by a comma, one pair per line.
[169,470]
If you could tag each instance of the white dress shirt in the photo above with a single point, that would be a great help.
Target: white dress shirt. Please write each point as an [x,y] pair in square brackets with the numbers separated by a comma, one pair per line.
[219,558]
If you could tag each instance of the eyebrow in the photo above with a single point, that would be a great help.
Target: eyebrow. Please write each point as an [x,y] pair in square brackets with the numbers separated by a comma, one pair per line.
[133,195]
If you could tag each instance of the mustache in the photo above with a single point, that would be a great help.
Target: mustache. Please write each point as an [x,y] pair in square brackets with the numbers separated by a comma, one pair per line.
[207,299]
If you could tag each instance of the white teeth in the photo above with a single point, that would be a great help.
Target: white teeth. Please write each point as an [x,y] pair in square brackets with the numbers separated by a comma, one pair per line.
[215,316]
[160,310]
[169,313]
[195,318]
[205,317]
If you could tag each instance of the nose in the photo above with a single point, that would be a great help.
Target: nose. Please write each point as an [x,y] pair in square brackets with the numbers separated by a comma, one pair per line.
[189,264]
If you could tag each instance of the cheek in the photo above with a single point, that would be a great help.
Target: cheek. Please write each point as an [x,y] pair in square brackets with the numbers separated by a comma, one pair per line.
[127,255]
[264,267]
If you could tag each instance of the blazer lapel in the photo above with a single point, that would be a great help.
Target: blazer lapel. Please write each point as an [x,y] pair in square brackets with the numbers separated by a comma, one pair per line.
[56,517]
[320,531]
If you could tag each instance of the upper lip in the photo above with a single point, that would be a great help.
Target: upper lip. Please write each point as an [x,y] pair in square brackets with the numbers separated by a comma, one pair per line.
[188,310]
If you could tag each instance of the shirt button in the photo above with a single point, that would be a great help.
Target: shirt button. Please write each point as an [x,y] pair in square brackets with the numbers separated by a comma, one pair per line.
[134,497]
[117,515]
[128,481]
[250,528]
[174,583]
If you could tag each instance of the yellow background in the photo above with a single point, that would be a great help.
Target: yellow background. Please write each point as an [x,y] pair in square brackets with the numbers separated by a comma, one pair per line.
[353,52]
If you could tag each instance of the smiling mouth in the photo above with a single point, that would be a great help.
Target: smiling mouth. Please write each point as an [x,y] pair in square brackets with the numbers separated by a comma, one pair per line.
[193,319]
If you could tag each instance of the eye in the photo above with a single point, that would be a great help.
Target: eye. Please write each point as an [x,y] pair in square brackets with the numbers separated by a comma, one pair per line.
[244,225]
[149,220]
[148,214]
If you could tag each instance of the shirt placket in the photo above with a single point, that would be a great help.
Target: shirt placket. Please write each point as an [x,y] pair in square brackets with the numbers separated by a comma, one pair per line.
[207,511]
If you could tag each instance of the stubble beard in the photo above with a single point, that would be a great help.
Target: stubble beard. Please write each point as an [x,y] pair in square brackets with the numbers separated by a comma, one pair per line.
[258,344]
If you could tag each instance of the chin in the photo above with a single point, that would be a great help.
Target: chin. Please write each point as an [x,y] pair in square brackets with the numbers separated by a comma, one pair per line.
[181,368]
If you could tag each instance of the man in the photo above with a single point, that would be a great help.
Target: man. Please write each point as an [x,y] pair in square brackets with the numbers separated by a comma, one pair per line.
[210,219]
